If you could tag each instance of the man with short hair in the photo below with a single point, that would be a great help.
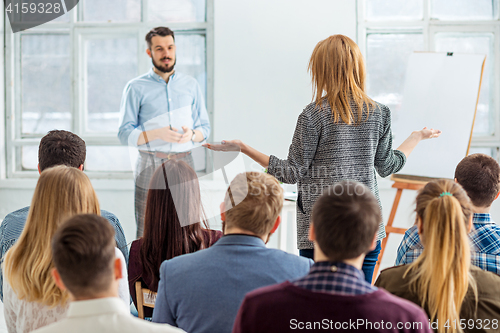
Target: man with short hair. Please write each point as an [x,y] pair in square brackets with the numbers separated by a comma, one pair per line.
[163,114]
[58,147]
[83,252]
[200,292]
[479,175]
[334,295]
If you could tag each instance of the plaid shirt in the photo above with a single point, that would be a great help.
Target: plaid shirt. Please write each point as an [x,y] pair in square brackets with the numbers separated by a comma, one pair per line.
[343,280]
[485,244]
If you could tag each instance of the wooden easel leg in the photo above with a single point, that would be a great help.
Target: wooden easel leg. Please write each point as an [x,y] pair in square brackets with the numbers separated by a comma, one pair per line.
[389,224]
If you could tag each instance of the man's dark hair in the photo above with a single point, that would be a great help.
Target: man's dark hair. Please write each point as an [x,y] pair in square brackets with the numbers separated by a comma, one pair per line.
[83,250]
[61,148]
[479,175]
[346,218]
[158,31]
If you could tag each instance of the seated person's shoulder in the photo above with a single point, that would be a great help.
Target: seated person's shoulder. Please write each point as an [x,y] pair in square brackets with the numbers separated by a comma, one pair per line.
[400,307]
[15,221]
[110,216]
[487,282]
[391,276]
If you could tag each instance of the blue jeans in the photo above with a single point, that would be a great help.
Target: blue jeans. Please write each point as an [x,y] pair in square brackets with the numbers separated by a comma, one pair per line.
[370,262]
[368,265]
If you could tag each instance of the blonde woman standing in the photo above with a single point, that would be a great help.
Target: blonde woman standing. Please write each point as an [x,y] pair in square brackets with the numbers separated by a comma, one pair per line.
[31,297]
[457,296]
[342,135]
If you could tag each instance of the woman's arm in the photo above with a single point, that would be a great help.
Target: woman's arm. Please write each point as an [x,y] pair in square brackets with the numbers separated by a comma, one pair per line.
[415,137]
[238,145]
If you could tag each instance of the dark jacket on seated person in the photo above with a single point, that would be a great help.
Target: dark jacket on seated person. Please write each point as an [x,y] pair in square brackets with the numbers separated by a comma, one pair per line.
[488,291]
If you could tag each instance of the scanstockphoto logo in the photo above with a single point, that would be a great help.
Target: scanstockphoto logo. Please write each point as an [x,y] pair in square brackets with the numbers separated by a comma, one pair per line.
[26,14]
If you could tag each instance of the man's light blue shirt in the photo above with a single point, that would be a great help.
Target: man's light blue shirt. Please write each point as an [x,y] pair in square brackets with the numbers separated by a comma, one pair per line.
[149,102]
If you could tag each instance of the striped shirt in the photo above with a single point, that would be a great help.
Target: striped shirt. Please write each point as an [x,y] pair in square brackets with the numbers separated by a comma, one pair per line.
[13,224]
[485,244]
[323,153]
[336,278]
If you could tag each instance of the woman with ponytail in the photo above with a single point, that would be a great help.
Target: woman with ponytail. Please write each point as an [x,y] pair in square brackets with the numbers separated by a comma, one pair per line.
[457,296]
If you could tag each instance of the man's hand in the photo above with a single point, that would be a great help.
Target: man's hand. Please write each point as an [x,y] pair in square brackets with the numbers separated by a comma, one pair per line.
[168,135]
[186,137]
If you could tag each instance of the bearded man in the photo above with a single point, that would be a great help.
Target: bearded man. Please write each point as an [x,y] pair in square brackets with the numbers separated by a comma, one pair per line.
[162,113]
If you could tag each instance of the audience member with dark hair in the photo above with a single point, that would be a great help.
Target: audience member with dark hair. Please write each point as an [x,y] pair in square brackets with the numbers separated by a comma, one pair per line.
[56,148]
[31,299]
[200,292]
[479,176]
[442,279]
[334,294]
[174,224]
[86,268]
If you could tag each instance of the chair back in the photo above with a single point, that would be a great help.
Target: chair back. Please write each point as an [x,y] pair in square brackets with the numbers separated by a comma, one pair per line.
[145,298]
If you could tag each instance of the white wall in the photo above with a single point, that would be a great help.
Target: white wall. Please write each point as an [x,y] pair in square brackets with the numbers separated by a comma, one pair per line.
[262,49]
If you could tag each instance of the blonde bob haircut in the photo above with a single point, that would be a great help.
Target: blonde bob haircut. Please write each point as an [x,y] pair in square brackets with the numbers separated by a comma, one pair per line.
[60,193]
[253,202]
[441,275]
[338,77]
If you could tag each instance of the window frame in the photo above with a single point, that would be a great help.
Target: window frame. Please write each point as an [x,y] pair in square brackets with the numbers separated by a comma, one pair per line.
[429,28]
[80,31]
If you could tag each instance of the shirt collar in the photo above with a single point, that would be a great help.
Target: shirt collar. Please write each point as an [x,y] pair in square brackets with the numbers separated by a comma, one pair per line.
[97,307]
[240,239]
[337,267]
[482,218]
[157,77]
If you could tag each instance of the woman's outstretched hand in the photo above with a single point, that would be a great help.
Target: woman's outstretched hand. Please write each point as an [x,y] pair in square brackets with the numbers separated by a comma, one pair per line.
[429,133]
[225,145]
[237,145]
[411,142]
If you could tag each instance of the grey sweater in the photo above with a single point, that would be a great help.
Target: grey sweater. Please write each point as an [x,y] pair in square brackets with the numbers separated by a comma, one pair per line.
[323,153]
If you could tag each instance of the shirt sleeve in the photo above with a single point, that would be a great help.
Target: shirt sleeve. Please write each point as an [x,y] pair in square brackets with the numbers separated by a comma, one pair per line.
[402,249]
[300,154]
[9,308]
[5,246]
[201,122]
[387,160]
[162,313]
[123,291]
[128,133]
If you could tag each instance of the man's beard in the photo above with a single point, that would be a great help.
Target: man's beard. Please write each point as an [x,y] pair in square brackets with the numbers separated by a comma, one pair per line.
[164,69]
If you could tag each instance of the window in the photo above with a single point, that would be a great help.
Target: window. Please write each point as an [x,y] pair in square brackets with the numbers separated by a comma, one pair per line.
[389,30]
[70,74]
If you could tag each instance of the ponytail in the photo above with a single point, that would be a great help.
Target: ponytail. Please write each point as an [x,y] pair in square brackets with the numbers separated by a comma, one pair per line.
[441,275]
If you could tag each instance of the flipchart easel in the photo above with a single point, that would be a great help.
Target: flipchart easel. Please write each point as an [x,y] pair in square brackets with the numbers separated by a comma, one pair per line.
[407,182]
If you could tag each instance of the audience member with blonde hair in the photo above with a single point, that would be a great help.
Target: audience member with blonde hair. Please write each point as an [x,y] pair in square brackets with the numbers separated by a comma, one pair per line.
[31,297]
[201,291]
[343,134]
[457,296]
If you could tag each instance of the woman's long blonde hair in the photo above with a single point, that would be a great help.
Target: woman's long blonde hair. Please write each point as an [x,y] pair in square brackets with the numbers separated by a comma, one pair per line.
[60,193]
[338,76]
[441,275]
